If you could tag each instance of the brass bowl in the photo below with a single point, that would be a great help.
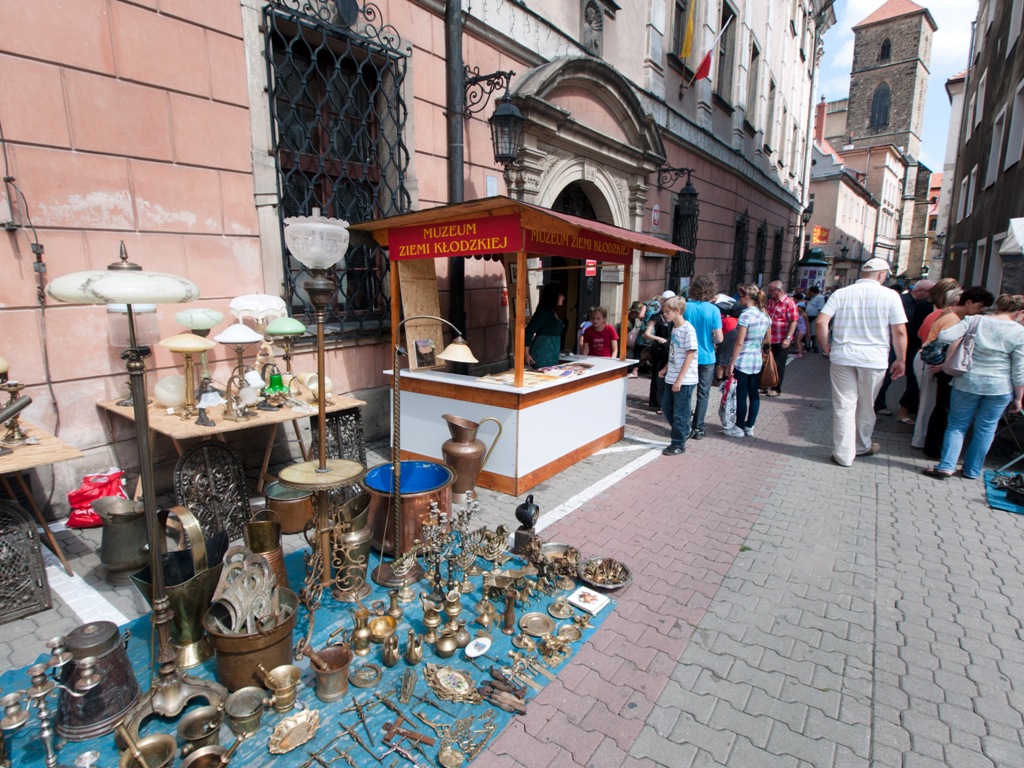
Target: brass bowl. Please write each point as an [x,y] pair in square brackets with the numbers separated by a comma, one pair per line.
[382,627]
[604,573]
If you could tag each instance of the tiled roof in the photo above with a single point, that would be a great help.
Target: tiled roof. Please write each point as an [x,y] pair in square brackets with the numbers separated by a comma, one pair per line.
[892,9]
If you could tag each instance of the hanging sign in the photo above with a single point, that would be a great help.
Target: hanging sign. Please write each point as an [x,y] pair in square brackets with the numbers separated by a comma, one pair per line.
[591,270]
[655,217]
[819,236]
[490,234]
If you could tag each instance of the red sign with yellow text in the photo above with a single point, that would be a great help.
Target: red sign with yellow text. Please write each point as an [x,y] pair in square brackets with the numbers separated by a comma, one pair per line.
[492,234]
[501,234]
[819,236]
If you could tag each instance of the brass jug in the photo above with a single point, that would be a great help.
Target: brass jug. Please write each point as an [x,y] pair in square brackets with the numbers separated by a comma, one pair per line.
[361,634]
[446,644]
[431,619]
[413,649]
[465,454]
[389,651]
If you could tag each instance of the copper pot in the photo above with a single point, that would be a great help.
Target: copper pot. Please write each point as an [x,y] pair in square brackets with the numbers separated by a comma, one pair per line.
[293,507]
[422,483]
[239,656]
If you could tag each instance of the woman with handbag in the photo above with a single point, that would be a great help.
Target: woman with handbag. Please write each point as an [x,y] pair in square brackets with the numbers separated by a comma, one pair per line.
[942,295]
[993,380]
[753,329]
[972,301]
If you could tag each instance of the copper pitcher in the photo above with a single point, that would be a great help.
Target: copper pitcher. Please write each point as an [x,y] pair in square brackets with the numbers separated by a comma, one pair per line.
[465,454]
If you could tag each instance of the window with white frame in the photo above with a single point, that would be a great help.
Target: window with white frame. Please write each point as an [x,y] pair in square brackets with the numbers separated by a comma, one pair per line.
[972,185]
[769,118]
[1015,138]
[979,105]
[995,148]
[726,54]
[979,263]
[1013,29]
[969,128]
[753,75]
[962,200]
[994,278]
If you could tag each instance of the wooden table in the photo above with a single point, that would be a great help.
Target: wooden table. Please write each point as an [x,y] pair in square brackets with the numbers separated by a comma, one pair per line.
[178,429]
[48,450]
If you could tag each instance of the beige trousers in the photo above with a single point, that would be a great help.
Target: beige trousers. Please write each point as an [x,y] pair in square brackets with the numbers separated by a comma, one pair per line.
[853,410]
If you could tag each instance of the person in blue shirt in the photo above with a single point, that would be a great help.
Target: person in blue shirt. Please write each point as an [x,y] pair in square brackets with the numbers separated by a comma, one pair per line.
[706,320]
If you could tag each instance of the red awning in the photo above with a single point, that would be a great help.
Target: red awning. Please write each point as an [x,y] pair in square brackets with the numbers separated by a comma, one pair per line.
[502,225]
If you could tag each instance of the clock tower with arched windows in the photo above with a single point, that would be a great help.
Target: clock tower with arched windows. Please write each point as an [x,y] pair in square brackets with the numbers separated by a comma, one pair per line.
[889,79]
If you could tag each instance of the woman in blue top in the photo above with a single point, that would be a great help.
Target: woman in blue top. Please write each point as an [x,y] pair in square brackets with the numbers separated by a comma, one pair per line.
[752,330]
[545,329]
[994,380]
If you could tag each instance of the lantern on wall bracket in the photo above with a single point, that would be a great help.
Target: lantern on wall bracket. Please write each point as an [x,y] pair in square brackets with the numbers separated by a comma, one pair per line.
[507,121]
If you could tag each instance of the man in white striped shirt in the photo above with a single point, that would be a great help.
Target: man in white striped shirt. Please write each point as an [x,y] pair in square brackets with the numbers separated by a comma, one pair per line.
[863,316]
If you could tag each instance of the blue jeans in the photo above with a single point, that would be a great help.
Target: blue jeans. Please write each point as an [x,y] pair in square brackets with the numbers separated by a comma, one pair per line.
[676,406]
[964,408]
[705,373]
[746,391]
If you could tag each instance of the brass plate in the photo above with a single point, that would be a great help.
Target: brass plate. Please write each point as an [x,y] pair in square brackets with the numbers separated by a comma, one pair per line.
[536,624]
[570,632]
[294,731]
[365,676]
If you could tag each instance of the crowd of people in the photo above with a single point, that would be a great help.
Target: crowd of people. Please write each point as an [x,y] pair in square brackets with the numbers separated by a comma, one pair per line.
[960,350]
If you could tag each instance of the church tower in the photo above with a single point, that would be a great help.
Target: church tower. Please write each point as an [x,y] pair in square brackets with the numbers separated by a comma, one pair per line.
[889,79]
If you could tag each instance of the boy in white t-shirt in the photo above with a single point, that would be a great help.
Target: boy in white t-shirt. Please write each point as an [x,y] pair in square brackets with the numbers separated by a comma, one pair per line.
[680,374]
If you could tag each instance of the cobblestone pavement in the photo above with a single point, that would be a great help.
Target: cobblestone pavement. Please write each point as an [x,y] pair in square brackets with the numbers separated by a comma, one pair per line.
[784,611]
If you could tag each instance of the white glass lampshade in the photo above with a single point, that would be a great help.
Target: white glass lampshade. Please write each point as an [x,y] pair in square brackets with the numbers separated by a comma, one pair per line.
[199,318]
[146,330]
[122,286]
[286,326]
[260,307]
[4,366]
[316,241]
[186,342]
[457,352]
[238,333]
[170,391]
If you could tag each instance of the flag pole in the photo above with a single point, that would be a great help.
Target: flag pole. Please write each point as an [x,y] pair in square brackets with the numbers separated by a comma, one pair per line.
[711,49]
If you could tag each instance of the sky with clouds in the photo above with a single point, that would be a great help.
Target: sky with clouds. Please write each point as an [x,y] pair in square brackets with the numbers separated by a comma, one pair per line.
[949,56]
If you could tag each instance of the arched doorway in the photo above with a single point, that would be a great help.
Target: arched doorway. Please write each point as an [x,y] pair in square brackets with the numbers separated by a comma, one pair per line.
[582,290]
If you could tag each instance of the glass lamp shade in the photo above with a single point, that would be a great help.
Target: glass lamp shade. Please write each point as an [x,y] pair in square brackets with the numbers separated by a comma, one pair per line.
[199,318]
[457,352]
[286,326]
[506,131]
[186,342]
[316,241]
[146,330]
[115,286]
[4,366]
[259,307]
[238,333]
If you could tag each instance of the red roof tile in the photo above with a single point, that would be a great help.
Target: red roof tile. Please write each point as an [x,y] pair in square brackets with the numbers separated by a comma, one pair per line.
[892,9]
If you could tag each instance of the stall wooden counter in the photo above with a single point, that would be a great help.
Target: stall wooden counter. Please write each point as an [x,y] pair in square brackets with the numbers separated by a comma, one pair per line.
[546,426]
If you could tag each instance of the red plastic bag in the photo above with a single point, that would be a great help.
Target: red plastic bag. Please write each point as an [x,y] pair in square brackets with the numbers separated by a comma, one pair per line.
[108,483]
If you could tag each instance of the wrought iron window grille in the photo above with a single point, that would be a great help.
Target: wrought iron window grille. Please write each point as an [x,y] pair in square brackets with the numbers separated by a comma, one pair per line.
[760,250]
[338,121]
[777,244]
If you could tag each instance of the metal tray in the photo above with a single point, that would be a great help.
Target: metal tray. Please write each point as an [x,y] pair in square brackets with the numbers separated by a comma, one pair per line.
[536,624]
[597,562]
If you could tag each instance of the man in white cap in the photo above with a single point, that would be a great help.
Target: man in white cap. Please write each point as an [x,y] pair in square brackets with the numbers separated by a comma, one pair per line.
[863,317]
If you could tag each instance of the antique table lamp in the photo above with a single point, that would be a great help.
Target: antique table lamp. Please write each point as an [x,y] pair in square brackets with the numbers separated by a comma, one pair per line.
[200,321]
[188,344]
[319,243]
[126,283]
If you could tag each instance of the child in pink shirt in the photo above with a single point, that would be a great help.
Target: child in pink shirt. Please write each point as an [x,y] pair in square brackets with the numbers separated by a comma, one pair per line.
[600,339]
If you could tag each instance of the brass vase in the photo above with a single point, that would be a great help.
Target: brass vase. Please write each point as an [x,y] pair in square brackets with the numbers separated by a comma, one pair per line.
[466,454]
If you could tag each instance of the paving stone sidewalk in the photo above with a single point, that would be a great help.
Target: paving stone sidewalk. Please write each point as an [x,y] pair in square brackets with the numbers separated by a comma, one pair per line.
[790,612]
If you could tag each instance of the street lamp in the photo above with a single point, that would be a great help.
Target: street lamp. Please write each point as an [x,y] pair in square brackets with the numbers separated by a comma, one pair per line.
[507,121]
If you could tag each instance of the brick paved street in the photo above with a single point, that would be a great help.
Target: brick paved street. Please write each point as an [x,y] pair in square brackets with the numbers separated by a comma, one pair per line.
[784,611]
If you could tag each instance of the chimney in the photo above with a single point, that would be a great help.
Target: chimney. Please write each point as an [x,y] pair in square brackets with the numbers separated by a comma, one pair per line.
[819,121]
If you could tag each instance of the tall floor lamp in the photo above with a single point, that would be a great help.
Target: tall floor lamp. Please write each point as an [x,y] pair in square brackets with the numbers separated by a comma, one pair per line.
[126,283]
[456,352]
[319,243]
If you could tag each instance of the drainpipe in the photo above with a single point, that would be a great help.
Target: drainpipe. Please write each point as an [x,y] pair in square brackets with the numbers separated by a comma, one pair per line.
[455,102]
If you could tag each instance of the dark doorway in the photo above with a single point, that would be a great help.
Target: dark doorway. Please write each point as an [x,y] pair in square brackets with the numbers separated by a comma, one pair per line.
[582,291]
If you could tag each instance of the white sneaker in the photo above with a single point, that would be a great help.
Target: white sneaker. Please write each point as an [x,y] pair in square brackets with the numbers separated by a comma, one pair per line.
[748,431]
[732,431]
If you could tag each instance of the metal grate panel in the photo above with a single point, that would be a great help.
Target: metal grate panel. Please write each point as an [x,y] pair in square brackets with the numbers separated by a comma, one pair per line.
[23,586]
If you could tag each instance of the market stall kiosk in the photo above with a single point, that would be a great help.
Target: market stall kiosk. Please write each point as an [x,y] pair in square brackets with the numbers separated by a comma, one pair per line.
[549,421]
